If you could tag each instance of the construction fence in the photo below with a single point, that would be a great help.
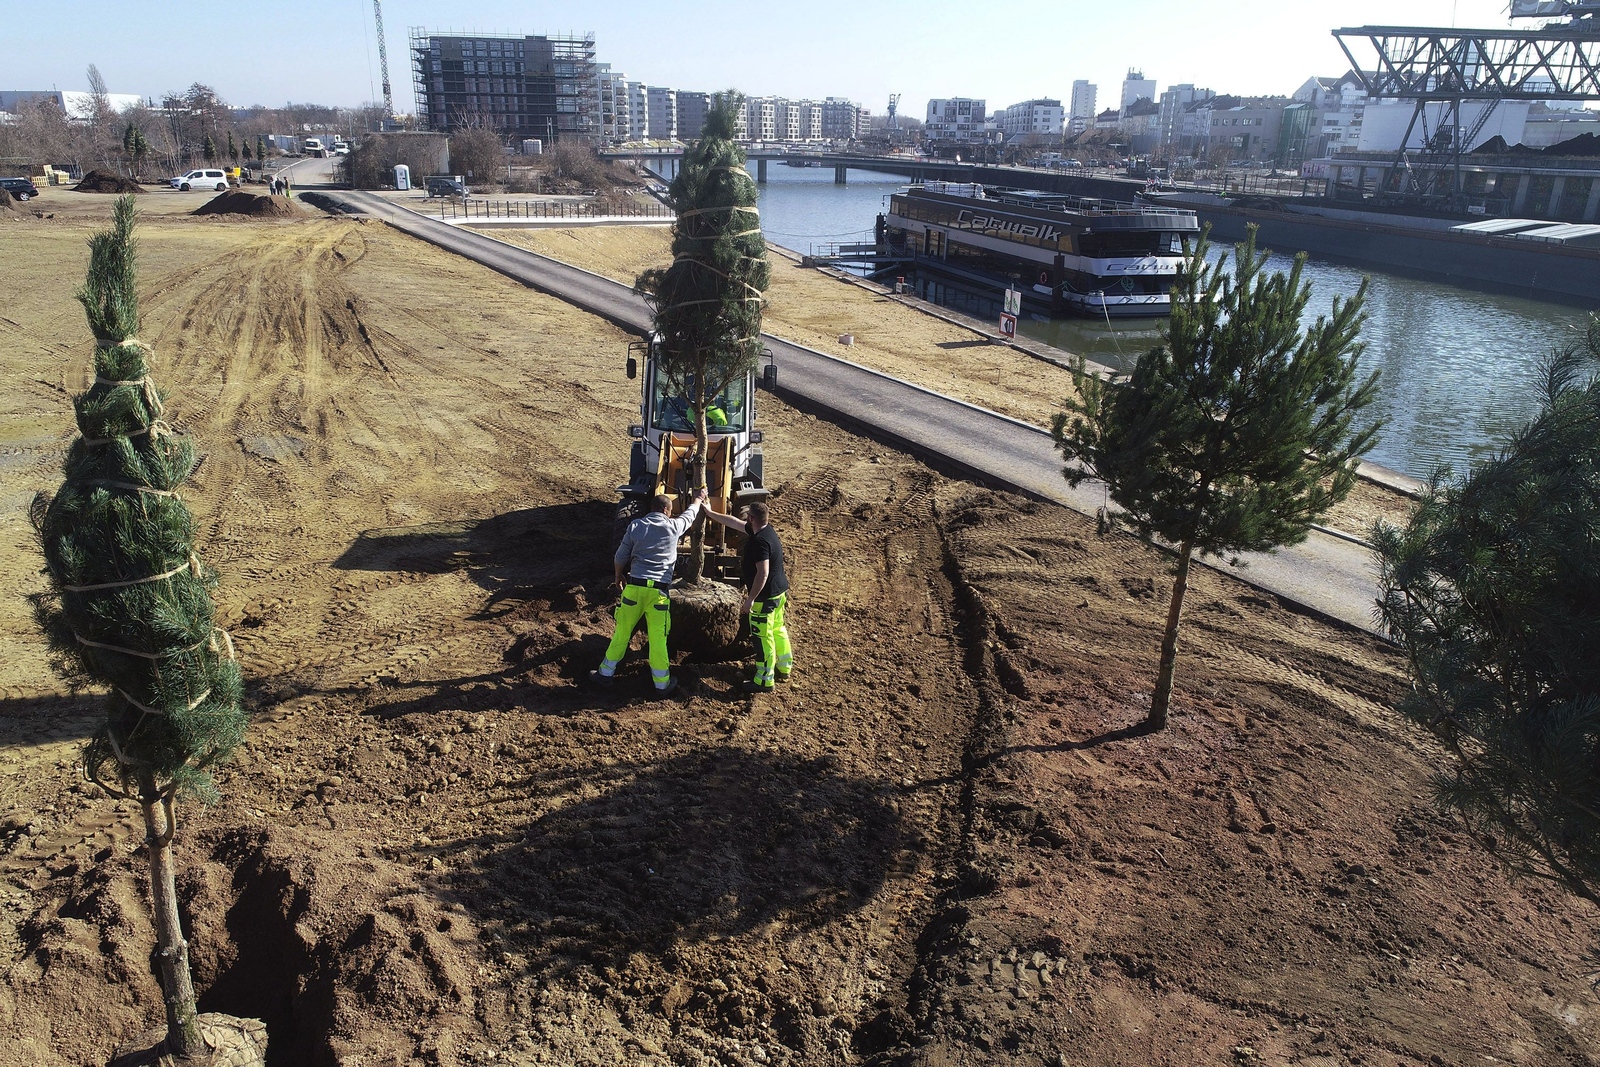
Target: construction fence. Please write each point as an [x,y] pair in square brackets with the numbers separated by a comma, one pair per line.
[476,208]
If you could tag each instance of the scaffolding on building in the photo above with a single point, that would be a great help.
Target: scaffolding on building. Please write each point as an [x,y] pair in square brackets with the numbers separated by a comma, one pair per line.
[521,86]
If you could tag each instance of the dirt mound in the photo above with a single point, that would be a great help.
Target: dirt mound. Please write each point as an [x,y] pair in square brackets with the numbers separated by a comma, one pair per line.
[7,204]
[102,181]
[254,205]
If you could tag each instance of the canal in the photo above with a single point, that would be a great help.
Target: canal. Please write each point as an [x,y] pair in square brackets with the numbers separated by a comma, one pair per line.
[1459,366]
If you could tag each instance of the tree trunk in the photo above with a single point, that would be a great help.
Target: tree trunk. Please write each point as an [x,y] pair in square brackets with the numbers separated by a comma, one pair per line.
[1159,700]
[697,533]
[172,951]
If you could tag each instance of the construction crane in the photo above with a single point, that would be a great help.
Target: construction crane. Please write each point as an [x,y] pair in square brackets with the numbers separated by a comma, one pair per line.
[894,107]
[383,62]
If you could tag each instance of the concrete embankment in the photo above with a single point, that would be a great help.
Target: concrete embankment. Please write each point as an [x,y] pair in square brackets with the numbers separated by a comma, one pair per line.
[1535,270]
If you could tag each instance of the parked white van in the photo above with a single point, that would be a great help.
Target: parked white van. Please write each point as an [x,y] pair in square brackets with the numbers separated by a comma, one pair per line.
[201,179]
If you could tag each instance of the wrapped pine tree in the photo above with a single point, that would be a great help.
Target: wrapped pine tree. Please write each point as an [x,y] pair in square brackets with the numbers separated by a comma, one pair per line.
[130,604]
[708,302]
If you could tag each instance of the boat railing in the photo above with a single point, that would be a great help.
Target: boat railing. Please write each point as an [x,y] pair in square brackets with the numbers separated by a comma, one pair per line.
[1081,205]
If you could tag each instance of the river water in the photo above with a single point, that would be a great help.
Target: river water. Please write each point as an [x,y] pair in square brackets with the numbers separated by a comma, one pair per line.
[1458,366]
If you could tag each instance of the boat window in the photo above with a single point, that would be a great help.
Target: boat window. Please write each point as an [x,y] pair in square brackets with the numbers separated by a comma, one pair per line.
[1129,243]
[672,411]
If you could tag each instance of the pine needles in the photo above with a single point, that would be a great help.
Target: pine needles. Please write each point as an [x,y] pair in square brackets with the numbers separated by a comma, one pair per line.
[130,606]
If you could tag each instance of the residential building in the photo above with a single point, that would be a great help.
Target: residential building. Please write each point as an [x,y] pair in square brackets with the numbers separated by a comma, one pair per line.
[1080,112]
[843,120]
[663,110]
[1043,117]
[1340,105]
[810,120]
[1172,108]
[520,86]
[956,118]
[1109,119]
[612,88]
[1244,129]
[1137,87]
[692,108]
[761,118]
[638,111]
[1141,126]
[786,119]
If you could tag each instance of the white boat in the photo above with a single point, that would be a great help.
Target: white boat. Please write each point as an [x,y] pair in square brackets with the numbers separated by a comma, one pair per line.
[1095,257]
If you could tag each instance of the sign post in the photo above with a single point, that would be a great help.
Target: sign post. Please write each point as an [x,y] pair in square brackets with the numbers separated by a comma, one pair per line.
[1008,317]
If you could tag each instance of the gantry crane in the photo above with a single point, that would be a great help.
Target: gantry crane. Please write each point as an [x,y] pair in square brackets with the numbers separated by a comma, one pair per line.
[1559,61]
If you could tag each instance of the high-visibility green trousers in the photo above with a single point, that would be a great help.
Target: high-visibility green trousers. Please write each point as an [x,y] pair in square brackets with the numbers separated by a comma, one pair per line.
[641,601]
[771,632]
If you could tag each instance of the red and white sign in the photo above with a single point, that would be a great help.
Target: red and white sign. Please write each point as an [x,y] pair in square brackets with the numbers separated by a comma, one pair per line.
[1008,324]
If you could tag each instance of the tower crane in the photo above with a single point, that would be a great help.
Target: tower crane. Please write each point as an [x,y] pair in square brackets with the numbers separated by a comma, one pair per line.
[383,61]
[894,106]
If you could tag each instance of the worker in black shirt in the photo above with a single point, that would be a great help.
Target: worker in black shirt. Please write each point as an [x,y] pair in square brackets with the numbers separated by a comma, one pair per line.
[766,592]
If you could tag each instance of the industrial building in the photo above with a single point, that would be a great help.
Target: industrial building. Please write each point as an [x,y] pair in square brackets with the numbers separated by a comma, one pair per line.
[520,87]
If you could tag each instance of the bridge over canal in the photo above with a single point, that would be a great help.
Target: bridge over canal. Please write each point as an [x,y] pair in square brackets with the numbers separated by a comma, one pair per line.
[915,169]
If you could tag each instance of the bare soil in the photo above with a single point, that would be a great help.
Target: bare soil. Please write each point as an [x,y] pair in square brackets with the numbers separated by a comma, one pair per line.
[814,309]
[252,205]
[936,845]
[102,181]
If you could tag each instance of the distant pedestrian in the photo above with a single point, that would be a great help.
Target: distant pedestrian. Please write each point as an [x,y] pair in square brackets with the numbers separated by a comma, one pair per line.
[648,556]
[766,596]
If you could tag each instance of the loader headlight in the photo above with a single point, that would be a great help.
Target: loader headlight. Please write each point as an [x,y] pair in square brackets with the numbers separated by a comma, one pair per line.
[756,437]
[636,431]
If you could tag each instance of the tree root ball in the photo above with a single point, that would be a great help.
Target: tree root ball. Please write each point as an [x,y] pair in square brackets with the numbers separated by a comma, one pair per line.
[705,620]
[230,1042]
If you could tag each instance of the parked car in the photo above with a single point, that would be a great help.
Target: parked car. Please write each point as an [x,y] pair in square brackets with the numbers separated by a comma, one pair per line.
[202,179]
[19,188]
[446,187]
[341,148]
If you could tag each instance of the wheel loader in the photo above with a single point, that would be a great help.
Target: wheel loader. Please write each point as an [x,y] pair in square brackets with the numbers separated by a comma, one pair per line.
[662,458]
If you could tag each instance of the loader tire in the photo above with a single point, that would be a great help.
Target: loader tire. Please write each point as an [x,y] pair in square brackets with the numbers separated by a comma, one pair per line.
[628,509]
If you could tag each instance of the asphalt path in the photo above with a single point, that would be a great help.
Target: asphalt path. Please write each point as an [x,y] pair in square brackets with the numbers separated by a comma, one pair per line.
[1326,575]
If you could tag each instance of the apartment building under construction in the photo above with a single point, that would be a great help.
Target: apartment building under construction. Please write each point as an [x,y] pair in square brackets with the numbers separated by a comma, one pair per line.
[519,86]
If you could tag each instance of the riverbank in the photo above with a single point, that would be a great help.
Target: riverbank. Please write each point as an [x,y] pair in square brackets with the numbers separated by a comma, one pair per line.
[928,345]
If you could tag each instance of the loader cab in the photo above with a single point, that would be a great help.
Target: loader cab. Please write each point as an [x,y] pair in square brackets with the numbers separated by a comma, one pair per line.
[661,460]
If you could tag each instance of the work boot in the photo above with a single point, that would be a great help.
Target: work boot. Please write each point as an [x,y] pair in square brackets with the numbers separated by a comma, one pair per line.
[757,687]
[602,680]
[670,687]
[781,676]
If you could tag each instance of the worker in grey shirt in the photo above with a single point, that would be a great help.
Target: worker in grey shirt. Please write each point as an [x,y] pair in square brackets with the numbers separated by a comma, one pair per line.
[647,556]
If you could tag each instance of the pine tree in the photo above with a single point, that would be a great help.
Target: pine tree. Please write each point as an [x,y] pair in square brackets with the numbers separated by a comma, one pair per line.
[233,147]
[708,302]
[261,147]
[1492,590]
[135,145]
[130,604]
[209,149]
[244,149]
[1235,434]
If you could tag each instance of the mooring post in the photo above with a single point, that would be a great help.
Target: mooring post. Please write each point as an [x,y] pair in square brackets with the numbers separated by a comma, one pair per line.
[761,171]
[839,172]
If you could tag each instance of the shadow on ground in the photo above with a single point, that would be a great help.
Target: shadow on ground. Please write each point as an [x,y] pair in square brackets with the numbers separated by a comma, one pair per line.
[544,552]
[703,846]
[47,717]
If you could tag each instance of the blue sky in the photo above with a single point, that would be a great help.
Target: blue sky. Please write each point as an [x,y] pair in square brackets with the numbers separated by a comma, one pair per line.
[323,50]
